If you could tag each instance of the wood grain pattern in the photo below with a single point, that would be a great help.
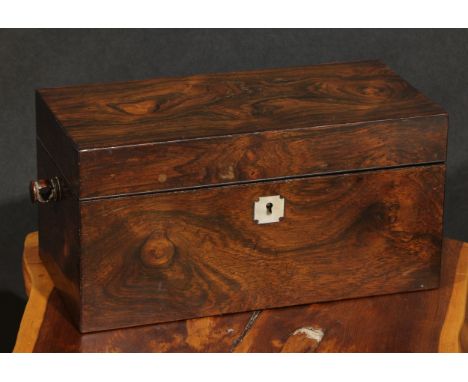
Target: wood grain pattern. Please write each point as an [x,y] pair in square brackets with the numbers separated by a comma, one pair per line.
[167,109]
[404,322]
[455,318]
[260,156]
[161,177]
[169,133]
[52,138]
[464,333]
[39,286]
[59,237]
[180,255]
[392,323]
[207,334]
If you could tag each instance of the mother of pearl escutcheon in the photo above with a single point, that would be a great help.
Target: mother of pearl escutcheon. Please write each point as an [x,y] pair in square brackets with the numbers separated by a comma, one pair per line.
[269,209]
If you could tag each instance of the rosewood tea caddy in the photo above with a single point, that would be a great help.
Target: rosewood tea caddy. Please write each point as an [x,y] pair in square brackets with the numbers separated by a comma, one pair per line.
[175,198]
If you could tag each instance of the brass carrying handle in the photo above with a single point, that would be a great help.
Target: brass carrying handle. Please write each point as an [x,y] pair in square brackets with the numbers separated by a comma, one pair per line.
[45,190]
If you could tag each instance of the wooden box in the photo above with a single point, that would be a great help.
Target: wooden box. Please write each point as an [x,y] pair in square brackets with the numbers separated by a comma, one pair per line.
[174,198]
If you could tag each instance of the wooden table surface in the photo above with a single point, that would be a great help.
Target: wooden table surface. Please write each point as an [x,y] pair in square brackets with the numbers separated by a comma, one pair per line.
[425,321]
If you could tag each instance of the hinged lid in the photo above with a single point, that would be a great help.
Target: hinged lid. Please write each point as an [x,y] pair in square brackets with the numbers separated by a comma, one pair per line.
[172,133]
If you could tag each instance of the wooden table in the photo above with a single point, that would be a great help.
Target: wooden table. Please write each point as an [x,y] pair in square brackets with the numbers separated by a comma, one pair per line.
[426,321]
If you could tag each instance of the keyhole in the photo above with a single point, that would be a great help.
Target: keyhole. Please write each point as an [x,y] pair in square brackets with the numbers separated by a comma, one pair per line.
[269,207]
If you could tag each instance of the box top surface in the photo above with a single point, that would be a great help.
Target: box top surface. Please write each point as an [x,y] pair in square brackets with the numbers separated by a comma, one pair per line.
[183,108]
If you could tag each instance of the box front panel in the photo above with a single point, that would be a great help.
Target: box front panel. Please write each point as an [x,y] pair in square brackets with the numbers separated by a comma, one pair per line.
[262,156]
[178,255]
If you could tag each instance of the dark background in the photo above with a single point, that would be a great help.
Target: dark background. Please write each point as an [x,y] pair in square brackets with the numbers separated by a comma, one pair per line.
[434,61]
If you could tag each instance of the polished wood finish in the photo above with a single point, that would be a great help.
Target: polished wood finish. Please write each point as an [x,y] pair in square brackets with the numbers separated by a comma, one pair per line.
[166,133]
[260,156]
[62,150]
[160,177]
[456,321]
[171,256]
[168,109]
[425,321]
[59,237]
[38,286]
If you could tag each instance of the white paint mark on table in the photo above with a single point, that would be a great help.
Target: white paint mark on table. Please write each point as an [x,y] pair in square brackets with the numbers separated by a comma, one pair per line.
[311,333]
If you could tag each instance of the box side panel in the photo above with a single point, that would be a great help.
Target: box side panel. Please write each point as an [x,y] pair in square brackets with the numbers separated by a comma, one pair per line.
[58,145]
[59,227]
[171,256]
